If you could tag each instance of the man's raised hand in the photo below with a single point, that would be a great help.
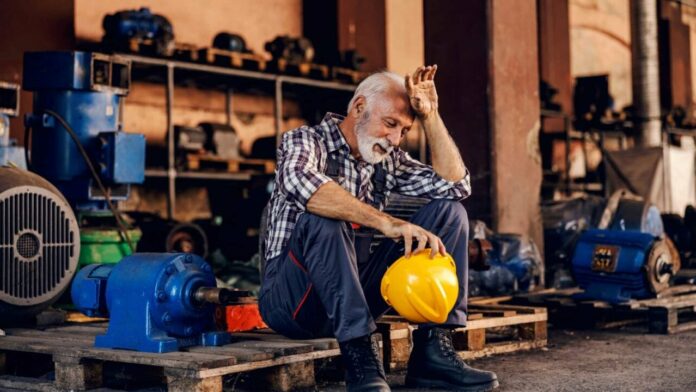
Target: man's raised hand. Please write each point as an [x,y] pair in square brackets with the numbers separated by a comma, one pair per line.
[421,91]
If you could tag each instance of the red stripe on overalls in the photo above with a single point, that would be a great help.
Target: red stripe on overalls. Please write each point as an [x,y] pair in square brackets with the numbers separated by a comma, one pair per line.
[309,288]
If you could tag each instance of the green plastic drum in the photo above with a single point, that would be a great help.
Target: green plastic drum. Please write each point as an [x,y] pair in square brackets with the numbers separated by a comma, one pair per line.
[105,245]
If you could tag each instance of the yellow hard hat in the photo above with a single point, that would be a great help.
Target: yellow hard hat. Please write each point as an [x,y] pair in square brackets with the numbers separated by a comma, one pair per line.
[422,289]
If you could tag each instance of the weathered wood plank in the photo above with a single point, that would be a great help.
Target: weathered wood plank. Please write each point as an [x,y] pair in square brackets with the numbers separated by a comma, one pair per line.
[298,375]
[503,348]
[14,383]
[77,373]
[182,382]
[318,344]
[278,348]
[244,367]
[241,354]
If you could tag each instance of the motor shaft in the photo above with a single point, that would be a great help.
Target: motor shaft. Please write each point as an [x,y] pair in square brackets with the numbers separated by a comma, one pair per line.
[221,296]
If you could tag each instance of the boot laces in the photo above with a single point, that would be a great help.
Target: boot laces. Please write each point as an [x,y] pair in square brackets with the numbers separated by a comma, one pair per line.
[444,339]
[364,357]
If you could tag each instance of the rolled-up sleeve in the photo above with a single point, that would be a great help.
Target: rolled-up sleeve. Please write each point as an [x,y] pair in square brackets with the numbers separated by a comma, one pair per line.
[414,178]
[298,174]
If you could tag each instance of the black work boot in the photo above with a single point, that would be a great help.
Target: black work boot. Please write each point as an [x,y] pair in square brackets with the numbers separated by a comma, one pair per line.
[435,364]
[364,371]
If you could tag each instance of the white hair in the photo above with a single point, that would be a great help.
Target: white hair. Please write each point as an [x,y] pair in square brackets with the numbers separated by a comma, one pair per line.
[378,85]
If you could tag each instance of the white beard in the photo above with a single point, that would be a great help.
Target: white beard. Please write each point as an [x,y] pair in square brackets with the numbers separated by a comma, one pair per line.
[366,143]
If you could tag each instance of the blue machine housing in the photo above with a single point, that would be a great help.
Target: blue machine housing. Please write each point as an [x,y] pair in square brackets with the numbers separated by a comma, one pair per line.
[85,89]
[610,264]
[149,298]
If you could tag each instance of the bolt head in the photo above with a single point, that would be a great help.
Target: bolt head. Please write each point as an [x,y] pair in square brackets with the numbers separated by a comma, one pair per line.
[188,259]
[161,296]
[169,270]
[188,331]
[167,318]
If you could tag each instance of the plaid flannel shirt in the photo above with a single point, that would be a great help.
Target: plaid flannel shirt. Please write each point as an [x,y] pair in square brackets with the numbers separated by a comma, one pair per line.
[302,162]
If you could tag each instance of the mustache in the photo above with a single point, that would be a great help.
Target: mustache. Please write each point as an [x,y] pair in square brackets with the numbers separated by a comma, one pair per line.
[385,144]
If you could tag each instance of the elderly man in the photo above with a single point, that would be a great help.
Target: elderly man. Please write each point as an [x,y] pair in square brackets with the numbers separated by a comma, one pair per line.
[332,182]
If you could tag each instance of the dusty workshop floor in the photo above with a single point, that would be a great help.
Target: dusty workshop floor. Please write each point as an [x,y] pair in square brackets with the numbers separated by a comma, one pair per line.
[595,361]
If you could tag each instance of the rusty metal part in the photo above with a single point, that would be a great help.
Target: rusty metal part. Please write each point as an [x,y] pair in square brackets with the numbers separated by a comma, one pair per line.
[222,296]
[478,254]
[663,263]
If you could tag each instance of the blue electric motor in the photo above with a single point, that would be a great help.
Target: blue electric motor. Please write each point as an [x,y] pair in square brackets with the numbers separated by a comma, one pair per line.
[85,90]
[616,266]
[157,302]
[122,26]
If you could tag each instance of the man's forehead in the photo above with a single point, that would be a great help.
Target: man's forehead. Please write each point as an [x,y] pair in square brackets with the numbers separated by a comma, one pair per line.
[400,109]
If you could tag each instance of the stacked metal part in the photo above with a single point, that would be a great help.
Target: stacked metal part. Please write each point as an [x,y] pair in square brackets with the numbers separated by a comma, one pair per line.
[79,146]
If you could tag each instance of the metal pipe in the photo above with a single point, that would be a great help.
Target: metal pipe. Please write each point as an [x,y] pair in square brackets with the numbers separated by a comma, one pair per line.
[171,168]
[645,71]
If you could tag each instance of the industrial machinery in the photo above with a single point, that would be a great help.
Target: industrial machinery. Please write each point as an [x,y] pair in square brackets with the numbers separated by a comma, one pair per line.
[142,25]
[156,302]
[39,244]
[161,235]
[79,147]
[616,266]
[230,41]
[292,49]
[222,140]
[10,153]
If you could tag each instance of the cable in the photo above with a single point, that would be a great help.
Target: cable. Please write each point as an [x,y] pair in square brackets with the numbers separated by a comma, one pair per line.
[27,136]
[95,176]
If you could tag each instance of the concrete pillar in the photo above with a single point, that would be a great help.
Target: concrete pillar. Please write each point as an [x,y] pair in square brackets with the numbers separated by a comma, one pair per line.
[646,71]
[488,85]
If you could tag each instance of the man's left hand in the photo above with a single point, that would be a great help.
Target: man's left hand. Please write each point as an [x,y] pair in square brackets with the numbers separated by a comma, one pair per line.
[421,91]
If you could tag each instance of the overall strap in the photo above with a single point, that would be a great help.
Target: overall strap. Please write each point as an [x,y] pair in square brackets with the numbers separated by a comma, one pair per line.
[379,180]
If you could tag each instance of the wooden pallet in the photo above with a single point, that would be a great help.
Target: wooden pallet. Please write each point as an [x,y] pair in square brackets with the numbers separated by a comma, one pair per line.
[277,362]
[396,335]
[200,162]
[311,70]
[347,75]
[228,58]
[491,329]
[499,329]
[186,52]
[147,47]
[673,311]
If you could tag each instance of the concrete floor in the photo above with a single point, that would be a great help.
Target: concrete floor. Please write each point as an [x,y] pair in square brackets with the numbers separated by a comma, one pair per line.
[623,360]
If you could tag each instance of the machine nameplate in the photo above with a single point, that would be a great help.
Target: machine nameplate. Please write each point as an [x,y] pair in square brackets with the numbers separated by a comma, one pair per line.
[604,258]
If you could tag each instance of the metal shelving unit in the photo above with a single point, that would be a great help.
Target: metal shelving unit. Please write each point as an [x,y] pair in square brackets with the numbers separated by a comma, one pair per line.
[232,76]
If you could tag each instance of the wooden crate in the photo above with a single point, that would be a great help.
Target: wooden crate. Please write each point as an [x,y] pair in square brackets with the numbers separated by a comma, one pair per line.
[673,311]
[277,362]
[186,52]
[310,70]
[498,329]
[227,58]
[201,162]
[397,342]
